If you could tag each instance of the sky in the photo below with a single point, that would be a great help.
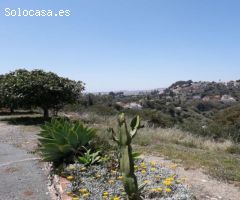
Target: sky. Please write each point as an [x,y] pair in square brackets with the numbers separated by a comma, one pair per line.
[116,45]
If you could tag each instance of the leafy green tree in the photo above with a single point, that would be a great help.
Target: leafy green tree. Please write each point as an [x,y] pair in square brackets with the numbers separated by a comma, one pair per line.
[11,95]
[1,97]
[38,88]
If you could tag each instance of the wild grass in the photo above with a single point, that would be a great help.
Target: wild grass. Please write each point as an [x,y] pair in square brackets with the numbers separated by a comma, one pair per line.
[149,135]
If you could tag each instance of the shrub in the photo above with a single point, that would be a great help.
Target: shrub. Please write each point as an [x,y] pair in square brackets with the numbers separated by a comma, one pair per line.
[161,120]
[234,149]
[62,140]
[103,110]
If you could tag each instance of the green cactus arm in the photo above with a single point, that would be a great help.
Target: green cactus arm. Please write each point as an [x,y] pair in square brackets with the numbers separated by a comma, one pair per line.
[113,135]
[135,125]
[115,138]
[133,133]
[122,122]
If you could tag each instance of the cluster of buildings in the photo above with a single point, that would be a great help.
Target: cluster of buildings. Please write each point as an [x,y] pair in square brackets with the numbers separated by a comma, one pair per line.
[206,91]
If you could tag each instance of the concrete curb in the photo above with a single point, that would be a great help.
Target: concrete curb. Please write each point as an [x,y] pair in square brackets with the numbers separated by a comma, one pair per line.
[60,184]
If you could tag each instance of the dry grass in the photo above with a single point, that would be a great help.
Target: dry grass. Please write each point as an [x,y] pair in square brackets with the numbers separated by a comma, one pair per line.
[150,135]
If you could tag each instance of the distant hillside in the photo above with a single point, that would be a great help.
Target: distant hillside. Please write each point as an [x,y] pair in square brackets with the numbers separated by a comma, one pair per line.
[134,92]
[207,91]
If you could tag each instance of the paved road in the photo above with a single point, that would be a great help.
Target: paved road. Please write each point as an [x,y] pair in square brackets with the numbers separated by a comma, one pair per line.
[21,174]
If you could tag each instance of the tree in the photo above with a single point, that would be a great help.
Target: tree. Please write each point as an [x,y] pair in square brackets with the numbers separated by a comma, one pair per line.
[11,96]
[42,89]
[1,93]
[112,94]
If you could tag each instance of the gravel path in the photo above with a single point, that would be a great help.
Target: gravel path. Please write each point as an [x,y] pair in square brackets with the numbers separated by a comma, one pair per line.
[22,175]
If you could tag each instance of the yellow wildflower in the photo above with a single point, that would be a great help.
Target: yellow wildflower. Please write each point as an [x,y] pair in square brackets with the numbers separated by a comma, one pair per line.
[169,179]
[83,190]
[153,169]
[124,193]
[110,181]
[75,198]
[153,164]
[178,181]
[116,198]
[157,176]
[120,177]
[105,194]
[98,176]
[70,178]
[159,189]
[153,190]
[167,183]
[168,190]
[147,182]
[143,165]
[83,169]
[86,195]
[143,172]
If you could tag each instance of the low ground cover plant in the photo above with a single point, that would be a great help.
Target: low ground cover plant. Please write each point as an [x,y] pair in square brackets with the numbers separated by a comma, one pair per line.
[105,181]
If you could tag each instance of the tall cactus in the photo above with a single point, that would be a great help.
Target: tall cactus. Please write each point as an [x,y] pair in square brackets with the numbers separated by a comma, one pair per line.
[124,137]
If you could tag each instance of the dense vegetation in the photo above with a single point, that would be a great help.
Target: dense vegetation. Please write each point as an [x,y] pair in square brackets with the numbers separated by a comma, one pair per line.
[208,109]
[212,118]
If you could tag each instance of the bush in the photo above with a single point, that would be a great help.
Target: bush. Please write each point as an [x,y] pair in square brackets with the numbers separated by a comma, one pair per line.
[103,110]
[228,123]
[161,120]
[234,149]
[62,140]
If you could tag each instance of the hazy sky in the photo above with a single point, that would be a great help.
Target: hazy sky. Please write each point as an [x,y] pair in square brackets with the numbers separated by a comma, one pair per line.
[125,44]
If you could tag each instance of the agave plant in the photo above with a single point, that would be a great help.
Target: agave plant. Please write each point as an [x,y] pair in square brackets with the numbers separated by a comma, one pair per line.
[90,158]
[62,140]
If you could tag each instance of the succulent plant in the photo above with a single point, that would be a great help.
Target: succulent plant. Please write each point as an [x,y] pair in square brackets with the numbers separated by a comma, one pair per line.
[62,140]
[90,158]
[123,137]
